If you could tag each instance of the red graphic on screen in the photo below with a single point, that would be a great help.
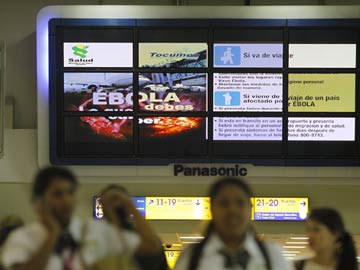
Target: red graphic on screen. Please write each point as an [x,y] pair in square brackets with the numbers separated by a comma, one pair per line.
[116,128]
[103,126]
[169,126]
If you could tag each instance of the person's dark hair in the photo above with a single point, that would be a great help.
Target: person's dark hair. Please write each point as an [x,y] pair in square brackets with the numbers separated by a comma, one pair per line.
[333,221]
[111,187]
[213,192]
[228,181]
[45,176]
[121,212]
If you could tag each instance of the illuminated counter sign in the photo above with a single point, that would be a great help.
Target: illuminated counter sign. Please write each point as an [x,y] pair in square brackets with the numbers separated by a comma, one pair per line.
[139,203]
[166,208]
[171,258]
[198,208]
[295,209]
[178,208]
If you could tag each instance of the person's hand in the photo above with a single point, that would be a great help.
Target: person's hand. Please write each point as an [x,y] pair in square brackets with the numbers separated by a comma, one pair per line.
[113,200]
[48,219]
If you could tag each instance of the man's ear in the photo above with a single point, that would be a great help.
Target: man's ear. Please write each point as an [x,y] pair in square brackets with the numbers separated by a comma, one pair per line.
[338,236]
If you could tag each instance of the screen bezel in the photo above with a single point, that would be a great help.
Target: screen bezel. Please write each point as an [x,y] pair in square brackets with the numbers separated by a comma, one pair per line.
[282,158]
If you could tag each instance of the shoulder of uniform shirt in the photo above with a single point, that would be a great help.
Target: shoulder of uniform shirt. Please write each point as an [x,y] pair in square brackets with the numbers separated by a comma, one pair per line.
[31,228]
[95,222]
[27,233]
[102,224]
[275,252]
[92,225]
[272,246]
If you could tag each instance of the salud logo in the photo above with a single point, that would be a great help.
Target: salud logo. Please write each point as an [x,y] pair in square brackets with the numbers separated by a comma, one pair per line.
[80,50]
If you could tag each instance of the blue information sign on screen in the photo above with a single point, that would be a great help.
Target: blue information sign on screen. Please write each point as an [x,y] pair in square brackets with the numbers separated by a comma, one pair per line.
[248,55]
[227,98]
[278,216]
[227,55]
[139,202]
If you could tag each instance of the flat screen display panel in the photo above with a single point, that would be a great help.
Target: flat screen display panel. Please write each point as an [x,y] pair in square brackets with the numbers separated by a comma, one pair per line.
[173,92]
[169,136]
[248,55]
[99,54]
[322,55]
[248,92]
[98,91]
[98,135]
[247,129]
[321,129]
[155,92]
[321,93]
[173,55]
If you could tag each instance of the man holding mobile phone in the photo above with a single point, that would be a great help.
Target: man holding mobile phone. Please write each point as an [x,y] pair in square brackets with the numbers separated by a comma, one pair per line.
[53,241]
[138,244]
[60,241]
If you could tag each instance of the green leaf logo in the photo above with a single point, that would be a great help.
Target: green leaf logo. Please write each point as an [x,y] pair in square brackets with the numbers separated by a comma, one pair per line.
[80,50]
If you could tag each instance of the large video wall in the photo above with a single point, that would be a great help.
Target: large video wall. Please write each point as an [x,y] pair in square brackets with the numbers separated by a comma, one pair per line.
[270,92]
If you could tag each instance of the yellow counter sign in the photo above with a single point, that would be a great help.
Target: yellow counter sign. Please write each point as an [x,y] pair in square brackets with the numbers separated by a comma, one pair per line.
[280,208]
[179,208]
[171,257]
[198,208]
